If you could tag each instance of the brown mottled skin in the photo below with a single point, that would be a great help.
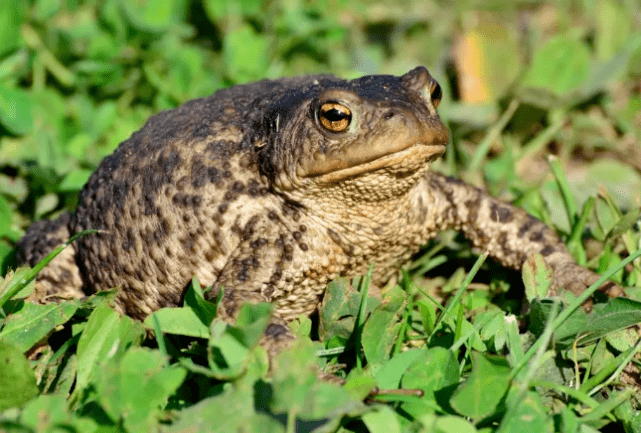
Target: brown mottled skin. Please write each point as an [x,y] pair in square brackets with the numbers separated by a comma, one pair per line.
[273,189]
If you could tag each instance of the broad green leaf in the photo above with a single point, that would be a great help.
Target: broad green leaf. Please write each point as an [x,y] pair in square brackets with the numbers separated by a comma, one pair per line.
[33,322]
[616,314]
[49,413]
[245,53]
[390,374]
[296,387]
[231,411]
[383,419]
[138,406]
[5,217]
[339,309]
[153,15]
[17,380]
[45,9]
[382,327]
[559,66]
[230,345]
[568,421]
[106,337]
[11,16]
[430,423]
[452,424]
[480,394]
[75,180]
[219,9]
[195,298]
[15,110]
[537,277]
[178,321]
[612,28]
[251,323]
[435,369]
[528,416]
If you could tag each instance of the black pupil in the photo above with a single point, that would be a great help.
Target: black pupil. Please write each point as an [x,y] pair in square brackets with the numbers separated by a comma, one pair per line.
[334,115]
[437,93]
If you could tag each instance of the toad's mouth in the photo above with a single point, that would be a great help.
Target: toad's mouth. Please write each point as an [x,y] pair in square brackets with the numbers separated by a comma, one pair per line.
[411,158]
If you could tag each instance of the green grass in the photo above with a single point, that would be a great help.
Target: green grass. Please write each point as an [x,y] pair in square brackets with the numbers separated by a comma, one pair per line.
[549,78]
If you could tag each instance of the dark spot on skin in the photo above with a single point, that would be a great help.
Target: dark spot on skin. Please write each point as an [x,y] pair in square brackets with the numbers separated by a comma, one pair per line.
[212,174]
[187,200]
[254,189]
[257,243]
[272,215]
[450,211]
[538,236]
[222,208]
[529,223]
[303,247]
[188,242]
[201,131]
[473,207]
[248,230]
[276,275]
[547,250]
[129,240]
[422,210]
[297,236]
[275,330]
[237,187]
[198,173]
[502,240]
[65,275]
[165,225]
[500,213]
[288,252]
[302,228]
[179,200]
[334,236]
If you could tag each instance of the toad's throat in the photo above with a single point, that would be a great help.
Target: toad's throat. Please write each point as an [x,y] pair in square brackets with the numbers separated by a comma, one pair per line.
[412,158]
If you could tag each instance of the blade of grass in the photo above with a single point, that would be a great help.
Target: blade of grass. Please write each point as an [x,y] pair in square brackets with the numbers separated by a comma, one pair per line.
[564,187]
[21,279]
[542,139]
[362,311]
[475,328]
[405,321]
[484,146]
[563,316]
[607,406]
[574,242]
[613,369]
[454,301]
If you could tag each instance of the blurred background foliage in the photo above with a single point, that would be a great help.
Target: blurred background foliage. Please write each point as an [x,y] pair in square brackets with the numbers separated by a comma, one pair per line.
[522,79]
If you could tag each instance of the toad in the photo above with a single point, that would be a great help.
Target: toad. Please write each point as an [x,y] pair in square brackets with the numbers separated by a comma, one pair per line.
[273,189]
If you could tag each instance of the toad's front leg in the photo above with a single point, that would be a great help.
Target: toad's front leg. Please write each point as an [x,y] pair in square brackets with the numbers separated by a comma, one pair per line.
[507,233]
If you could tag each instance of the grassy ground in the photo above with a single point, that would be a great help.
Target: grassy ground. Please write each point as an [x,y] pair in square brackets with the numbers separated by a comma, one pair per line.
[543,102]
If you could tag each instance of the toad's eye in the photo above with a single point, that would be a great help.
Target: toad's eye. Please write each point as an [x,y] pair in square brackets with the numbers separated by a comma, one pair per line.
[334,117]
[435,93]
